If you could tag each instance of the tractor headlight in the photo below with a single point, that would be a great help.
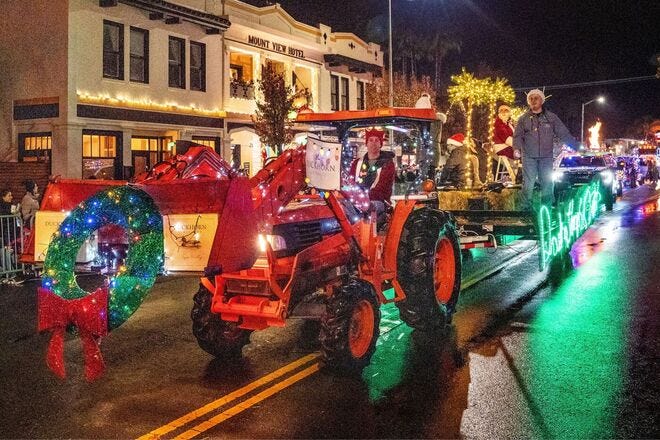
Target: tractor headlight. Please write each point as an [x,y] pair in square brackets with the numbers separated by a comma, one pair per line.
[557,176]
[277,242]
[607,177]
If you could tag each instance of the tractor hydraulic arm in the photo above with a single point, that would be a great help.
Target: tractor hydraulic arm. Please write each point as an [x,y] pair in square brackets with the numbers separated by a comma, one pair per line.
[277,183]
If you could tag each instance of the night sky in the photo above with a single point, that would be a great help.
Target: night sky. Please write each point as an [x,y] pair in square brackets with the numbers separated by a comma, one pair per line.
[532,43]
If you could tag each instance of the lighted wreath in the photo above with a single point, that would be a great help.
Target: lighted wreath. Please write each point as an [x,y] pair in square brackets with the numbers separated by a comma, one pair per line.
[62,302]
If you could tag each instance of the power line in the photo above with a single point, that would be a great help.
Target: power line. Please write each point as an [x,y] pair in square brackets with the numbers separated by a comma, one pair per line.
[589,83]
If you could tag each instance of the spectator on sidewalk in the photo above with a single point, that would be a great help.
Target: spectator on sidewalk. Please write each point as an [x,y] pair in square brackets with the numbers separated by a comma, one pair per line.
[5,202]
[30,202]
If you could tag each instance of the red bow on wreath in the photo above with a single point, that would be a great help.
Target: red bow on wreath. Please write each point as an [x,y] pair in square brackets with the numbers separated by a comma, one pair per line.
[88,314]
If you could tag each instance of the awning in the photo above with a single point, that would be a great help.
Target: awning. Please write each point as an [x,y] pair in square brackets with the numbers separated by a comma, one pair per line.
[353,65]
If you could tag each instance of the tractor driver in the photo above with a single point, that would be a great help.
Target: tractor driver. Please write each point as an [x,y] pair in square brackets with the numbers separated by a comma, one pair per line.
[374,172]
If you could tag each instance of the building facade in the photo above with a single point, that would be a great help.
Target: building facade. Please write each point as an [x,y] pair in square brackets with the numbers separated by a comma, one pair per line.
[104,88]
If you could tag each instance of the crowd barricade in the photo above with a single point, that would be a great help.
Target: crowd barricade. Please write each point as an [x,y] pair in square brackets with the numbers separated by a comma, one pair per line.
[11,239]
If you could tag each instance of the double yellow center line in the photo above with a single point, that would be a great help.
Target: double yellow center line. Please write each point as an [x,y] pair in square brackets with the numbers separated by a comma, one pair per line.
[388,322]
[240,407]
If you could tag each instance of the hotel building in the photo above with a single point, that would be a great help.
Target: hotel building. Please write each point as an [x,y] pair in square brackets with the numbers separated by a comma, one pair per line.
[104,88]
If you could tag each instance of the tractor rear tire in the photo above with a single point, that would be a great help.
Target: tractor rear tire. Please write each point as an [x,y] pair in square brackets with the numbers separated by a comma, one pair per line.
[428,270]
[219,338]
[350,327]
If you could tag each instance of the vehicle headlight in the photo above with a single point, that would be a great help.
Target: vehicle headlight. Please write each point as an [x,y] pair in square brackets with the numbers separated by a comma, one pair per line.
[607,177]
[277,242]
[557,176]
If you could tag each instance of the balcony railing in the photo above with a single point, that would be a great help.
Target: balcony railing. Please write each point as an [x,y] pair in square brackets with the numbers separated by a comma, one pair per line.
[241,89]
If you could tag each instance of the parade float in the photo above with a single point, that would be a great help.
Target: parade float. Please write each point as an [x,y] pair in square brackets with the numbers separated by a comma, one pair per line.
[291,241]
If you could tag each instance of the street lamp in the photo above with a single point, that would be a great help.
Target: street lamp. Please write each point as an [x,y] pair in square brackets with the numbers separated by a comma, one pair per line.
[600,100]
[390,57]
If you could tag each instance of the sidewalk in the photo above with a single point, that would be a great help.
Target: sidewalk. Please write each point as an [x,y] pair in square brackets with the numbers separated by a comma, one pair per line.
[637,196]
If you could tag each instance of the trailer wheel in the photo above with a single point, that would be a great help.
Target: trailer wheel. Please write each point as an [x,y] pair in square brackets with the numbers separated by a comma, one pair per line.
[219,338]
[350,326]
[429,270]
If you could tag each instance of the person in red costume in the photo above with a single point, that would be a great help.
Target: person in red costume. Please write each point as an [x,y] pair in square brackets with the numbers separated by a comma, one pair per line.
[503,135]
[503,138]
[374,172]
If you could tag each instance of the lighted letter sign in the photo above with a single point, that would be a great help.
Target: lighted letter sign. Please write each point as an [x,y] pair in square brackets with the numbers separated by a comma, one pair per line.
[560,227]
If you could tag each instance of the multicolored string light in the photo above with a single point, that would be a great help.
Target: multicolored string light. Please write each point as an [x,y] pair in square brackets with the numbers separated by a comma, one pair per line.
[125,206]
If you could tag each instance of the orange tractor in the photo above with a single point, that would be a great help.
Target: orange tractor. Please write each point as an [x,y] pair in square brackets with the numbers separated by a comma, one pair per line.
[325,260]
[321,258]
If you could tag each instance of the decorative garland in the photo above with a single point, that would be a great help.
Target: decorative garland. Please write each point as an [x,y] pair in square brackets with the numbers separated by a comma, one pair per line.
[62,302]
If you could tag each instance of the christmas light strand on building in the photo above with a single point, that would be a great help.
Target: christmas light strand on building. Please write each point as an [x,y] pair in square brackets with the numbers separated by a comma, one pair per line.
[147,104]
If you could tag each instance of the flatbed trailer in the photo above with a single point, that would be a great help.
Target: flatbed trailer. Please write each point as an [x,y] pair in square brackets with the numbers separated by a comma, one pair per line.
[485,217]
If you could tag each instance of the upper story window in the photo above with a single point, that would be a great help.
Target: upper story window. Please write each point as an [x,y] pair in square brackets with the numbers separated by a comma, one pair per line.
[334,92]
[240,67]
[278,67]
[113,50]
[139,69]
[177,62]
[240,72]
[344,94]
[302,83]
[360,95]
[197,66]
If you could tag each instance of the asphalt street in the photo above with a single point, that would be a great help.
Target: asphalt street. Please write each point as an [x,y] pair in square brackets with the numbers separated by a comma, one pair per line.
[530,354]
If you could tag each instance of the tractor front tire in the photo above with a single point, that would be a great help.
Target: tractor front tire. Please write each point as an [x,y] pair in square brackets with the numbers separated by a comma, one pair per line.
[219,338]
[428,270]
[350,327]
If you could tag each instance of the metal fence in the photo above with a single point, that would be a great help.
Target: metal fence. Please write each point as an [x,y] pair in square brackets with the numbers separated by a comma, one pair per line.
[11,239]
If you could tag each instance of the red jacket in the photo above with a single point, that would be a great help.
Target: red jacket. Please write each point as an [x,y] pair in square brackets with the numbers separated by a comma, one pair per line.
[378,179]
[503,131]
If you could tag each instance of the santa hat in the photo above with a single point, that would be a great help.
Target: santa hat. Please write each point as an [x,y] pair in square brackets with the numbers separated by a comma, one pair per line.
[372,132]
[536,92]
[456,140]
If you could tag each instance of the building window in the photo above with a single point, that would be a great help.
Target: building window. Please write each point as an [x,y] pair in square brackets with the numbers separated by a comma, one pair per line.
[147,151]
[177,63]
[241,83]
[100,151]
[139,69]
[302,84]
[334,92]
[208,141]
[197,66]
[113,50]
[240,66]
[344,94]
[34,147]
[360,95]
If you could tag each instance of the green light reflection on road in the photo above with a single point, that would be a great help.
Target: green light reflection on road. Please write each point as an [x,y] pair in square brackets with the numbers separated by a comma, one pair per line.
[577,351]
[388,364]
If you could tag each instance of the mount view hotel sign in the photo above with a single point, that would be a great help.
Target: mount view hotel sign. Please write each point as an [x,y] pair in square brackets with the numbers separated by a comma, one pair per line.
[274,46]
